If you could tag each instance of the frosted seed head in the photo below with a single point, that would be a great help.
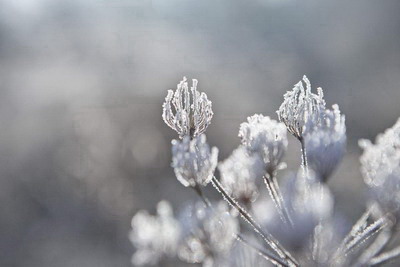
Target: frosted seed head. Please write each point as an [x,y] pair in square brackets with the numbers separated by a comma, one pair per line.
[209,233]
[193,161]
[187,114]
[154,236]
[299,106]
[325,142]
[380,166]
[265,137]
[239,174]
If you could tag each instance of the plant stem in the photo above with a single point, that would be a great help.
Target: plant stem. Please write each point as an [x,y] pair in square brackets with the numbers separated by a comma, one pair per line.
[265,254]
[276,196]
[267,237]
[389,255]
[199,192]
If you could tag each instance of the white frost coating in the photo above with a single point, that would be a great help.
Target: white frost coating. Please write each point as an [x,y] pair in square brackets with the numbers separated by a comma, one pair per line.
[380,166]
[193,161]
[193,112]
[325,143]
[265,137]
[239,173]
[210,234]
[299,106]
[154,236]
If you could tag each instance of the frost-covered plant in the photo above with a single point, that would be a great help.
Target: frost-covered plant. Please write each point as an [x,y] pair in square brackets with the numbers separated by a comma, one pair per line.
[193,111]
[326,141]
[193,161]
[239,174]
[295,226]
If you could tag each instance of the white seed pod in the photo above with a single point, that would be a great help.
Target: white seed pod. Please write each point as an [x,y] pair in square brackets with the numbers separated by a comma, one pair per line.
[154,236]
[193,161]
[193,112]
[239,174]
[265,137]
[299,106]
[380,166]
[209,234]
[325,142]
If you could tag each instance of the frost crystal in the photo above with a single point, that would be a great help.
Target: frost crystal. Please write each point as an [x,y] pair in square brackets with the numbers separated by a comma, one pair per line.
[325,142]
[154,236]
[265,137]
[299,106]
[193,161]
[380,166]
[209,235]
[193,111]
[239,173]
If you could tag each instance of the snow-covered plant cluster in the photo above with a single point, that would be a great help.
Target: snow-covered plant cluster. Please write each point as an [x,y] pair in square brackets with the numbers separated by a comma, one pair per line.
[294,223]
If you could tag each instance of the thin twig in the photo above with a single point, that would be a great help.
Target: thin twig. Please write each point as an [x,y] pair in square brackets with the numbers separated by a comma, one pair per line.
[265,254]
[379,243]
[267,237]
[386,256]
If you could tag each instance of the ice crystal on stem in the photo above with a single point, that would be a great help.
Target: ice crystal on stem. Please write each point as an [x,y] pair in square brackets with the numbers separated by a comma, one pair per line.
[193,112]
[380,166]
[209,234]
[265,137]
[239,173]
[154,236]
[325,142]
[299,106]
[193,161]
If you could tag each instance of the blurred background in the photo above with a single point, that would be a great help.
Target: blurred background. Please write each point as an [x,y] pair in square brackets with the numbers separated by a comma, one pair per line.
[82,143]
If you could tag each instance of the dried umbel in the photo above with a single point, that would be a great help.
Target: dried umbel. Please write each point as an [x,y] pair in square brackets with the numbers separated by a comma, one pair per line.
[209,234]
[193,161]
[239,173]
[325,143]
[299,106]
[154,236]
[189,114]
[265,137]
[380,166]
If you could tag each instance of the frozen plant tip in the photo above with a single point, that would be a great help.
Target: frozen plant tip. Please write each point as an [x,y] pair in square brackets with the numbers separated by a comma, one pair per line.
[325,143]
[380,166]
[265,137]
[239,173]
[299,106]
[193,161]
[154,236]
[209,234]
[193,111]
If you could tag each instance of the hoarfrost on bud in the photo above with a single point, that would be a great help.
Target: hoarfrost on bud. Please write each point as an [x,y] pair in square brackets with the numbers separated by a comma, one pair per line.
[154,236]
[265,137]
[380,166]
[325,143]
[193,112]
[209,233]
[299,106]
[239,173]
[193,161]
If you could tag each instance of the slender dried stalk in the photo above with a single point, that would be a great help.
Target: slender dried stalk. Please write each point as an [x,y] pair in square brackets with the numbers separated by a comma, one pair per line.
[267,237]
[386,256]
[276,196]
[379,243]
[265,254]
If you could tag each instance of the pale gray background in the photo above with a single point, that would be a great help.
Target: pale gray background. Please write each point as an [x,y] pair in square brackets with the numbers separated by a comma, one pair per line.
[82,142]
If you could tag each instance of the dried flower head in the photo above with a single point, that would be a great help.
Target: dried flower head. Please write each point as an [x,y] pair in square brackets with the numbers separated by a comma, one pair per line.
[265,137]
[154,236]
[209,234]
[380,166]
[193,112]
[239,173]
[325,143]
[193,161]
[299,106]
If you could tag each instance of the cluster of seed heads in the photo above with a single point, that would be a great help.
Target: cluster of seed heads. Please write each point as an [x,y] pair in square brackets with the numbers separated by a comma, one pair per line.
[296,224]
